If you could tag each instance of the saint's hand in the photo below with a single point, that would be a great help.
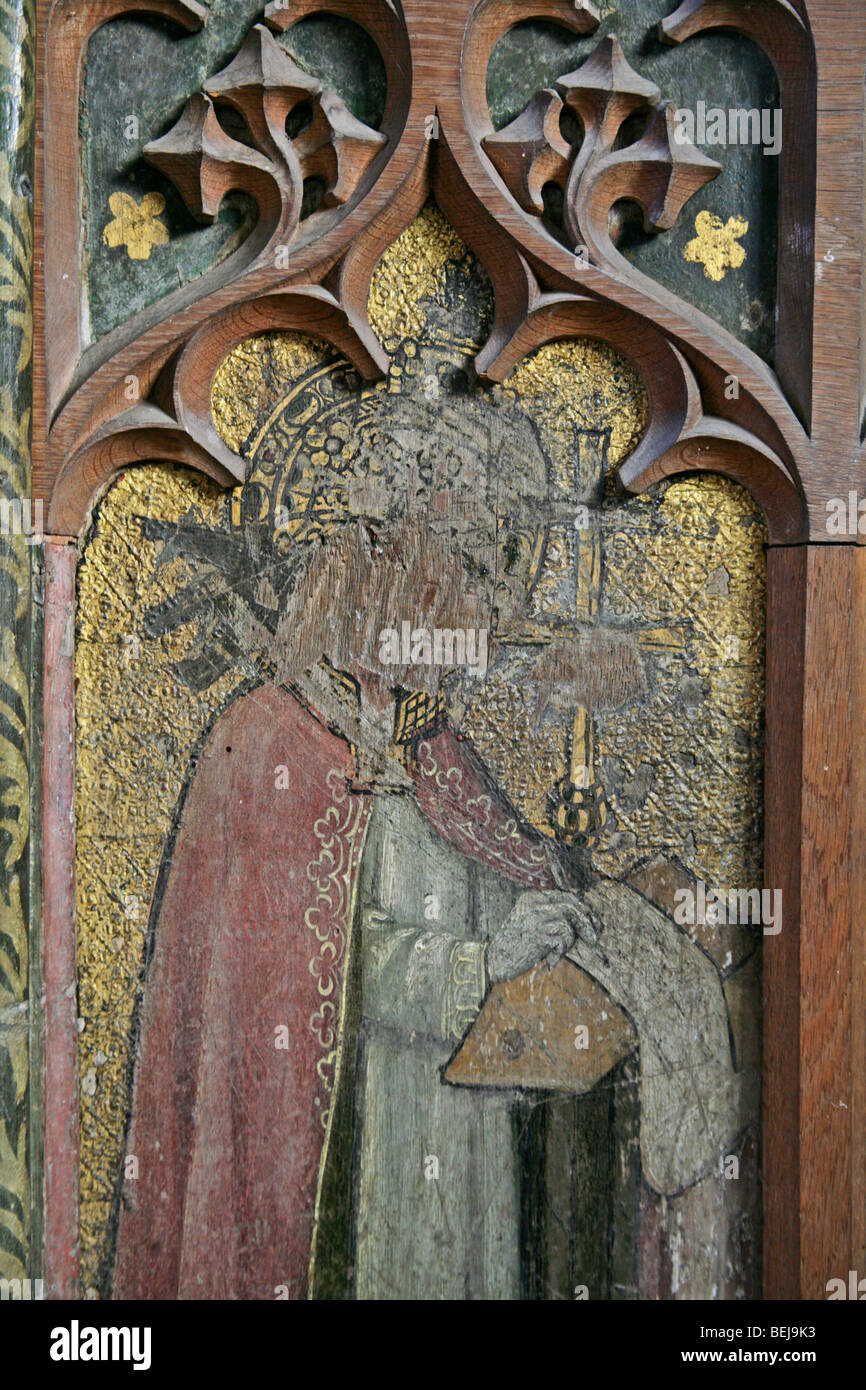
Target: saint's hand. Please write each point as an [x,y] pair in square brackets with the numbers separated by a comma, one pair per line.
[540,926]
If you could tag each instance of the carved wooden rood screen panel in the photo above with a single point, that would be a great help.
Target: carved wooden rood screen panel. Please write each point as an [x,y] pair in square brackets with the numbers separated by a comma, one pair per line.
[453,620]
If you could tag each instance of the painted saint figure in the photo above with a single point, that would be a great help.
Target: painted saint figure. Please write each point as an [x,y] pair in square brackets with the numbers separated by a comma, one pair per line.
[346,884]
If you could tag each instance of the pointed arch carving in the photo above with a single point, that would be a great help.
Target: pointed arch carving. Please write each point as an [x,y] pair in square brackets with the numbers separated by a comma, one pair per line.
[792,436]
[437,138]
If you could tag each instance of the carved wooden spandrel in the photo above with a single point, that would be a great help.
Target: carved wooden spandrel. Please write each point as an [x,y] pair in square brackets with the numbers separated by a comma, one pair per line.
[316,273]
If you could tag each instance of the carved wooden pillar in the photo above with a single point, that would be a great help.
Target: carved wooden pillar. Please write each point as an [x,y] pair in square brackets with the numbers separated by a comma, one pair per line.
[813,1021]
[61,1011]
[815,1119]
[20,533]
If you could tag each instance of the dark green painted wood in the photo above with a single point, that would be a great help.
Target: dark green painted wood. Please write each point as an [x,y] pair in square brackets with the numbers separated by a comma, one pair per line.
[141,70]
[720,69]
[578,1181]
[144,69]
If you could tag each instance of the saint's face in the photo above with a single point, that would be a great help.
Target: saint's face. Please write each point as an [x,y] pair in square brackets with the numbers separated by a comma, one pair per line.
[465,466]
[439,512]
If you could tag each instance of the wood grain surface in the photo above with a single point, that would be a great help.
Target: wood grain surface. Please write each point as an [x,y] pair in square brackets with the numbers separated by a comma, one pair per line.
[792,436]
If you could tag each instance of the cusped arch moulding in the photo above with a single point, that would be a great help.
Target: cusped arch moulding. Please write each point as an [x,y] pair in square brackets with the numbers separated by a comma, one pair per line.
[313,274]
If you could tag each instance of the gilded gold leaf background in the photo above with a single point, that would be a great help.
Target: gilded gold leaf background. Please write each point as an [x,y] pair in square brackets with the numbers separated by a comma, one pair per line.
[681,578]
[137,726]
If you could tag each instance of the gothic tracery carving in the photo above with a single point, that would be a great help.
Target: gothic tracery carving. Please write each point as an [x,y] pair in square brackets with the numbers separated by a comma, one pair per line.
[312,270]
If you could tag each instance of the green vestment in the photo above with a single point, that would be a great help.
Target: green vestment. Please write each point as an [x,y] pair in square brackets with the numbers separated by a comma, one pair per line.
[437,1202]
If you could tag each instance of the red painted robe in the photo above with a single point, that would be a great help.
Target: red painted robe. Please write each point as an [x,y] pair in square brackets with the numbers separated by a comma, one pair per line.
[241,1015]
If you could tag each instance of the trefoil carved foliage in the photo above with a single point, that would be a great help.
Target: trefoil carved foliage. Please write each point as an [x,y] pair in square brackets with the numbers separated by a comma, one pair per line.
[601,97]
[332,194]
[299,131]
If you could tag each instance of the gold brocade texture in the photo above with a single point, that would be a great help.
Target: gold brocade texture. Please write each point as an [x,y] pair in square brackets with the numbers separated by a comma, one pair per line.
[136,726]
[676,578]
